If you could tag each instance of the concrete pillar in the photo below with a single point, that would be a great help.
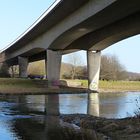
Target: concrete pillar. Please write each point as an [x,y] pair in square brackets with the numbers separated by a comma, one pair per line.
[53,65]
[23,65]
[93,64]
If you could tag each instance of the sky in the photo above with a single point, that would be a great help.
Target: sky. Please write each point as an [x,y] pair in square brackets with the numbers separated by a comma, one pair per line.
[18,15]
[127,51]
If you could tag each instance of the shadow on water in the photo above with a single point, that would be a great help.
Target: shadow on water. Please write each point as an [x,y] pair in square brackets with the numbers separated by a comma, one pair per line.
[38,117]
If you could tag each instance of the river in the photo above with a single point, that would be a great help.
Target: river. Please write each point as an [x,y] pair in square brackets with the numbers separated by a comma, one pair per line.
[24,117]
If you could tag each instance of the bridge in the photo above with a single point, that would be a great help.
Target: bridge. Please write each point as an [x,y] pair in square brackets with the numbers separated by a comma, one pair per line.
[72,25]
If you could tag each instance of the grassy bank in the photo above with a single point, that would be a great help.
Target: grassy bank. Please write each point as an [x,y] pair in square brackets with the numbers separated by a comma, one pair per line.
[119,86]
[112,86]
[29,86]
[17,85]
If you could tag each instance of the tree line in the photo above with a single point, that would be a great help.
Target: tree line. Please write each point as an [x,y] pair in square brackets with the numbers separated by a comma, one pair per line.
[111,69]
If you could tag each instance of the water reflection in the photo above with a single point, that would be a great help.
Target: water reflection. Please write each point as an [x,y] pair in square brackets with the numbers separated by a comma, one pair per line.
[117,105]
[104,105]
[55,128]
[73,103]
[37,117]
[93,104]
[46,125]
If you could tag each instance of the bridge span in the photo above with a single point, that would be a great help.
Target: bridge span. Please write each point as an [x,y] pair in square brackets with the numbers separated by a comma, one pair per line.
[72,25]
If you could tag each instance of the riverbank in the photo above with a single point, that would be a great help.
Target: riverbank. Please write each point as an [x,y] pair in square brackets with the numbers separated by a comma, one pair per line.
[29,86]
[113,86]
[119,86]
[101,128]
[106,129]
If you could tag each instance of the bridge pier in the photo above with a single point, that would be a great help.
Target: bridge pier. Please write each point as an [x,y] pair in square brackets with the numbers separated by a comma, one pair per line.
[23,65]
[93,64]
[53,67]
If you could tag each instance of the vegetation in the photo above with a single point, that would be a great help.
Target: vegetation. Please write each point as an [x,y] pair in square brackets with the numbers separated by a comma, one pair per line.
[37,68]
[111,69]
[28,86]
[113,86]
[75,69]
[119,85]
[21,85]
[17,85]
[16,82]
[137,112]
[14,71]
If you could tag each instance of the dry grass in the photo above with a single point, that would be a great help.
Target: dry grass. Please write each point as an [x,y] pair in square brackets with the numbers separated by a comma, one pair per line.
[28,85]
[17,85]
[112,86]
[119,85]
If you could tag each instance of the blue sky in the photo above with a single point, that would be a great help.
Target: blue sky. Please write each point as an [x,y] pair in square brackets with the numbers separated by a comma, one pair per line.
[17,15]
[127,51]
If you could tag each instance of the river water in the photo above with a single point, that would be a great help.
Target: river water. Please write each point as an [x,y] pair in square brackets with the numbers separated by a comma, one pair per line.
[24,117]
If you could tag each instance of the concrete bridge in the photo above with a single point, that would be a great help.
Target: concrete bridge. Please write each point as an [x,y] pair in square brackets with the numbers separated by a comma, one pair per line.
[72,25]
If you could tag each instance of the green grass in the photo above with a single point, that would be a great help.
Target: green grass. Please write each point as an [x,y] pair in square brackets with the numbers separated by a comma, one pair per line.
[84,82]
[115,85]
[120,85]
[18,84]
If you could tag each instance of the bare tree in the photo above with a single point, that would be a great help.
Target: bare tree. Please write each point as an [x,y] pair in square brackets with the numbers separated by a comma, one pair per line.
[37,68]
[111,68]
[14,70]
[75,60]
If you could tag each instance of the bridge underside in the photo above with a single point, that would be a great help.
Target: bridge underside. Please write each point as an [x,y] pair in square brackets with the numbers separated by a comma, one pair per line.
[94,41]
[97,41]
[101,38]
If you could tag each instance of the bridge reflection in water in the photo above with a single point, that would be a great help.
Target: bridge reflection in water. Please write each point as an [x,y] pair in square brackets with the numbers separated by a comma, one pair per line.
[93,104]
[41,120]
[38,117]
